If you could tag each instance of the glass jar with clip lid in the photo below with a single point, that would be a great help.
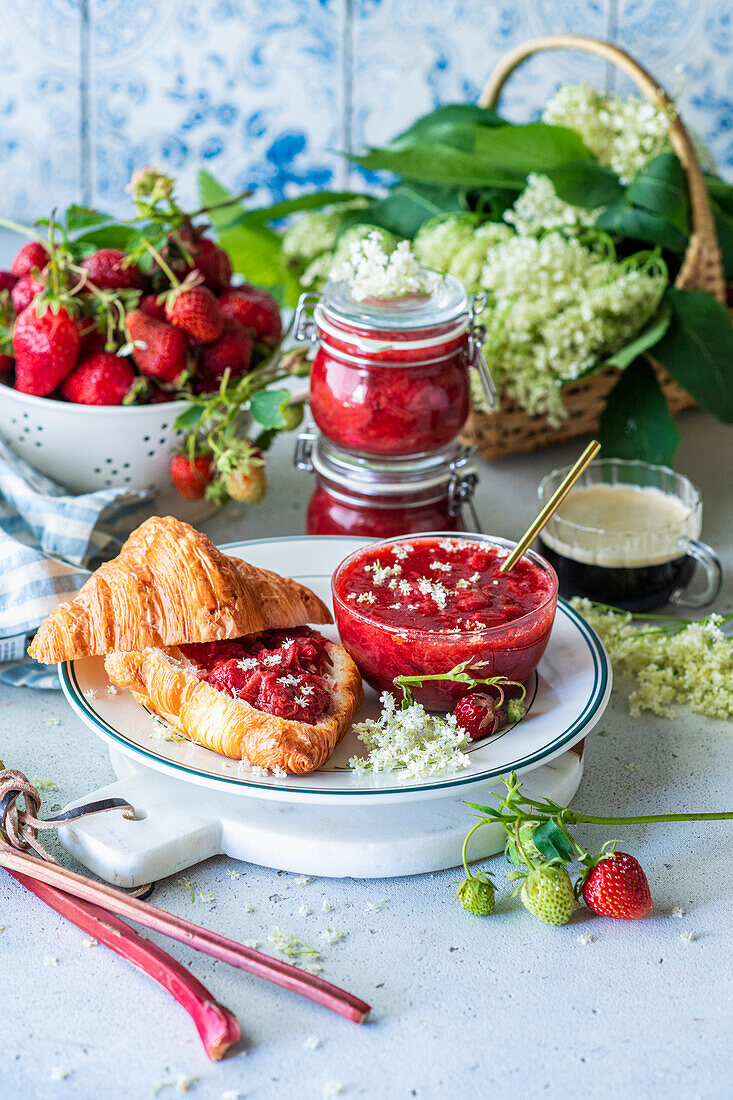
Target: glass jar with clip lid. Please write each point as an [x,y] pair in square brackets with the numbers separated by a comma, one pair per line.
[381,498]
[390,377]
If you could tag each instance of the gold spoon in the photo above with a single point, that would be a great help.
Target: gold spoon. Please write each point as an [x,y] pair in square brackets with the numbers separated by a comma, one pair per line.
[552,505]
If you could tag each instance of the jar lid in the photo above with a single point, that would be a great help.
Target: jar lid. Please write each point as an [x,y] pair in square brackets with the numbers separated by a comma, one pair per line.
[445,304]
[389,475]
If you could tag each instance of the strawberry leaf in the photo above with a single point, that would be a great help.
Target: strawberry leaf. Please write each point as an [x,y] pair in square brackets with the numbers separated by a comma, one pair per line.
[266,407]
[551,842]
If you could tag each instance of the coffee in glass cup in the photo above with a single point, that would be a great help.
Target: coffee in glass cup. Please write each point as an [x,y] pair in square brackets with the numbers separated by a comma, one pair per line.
[627,534]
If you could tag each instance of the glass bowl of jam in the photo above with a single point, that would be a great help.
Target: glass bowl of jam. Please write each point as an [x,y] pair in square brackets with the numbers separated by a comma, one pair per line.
[424,604]
[391,378]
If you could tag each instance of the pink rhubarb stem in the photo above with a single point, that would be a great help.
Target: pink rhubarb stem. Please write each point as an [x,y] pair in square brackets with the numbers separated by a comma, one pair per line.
[201,939]
[217,1026]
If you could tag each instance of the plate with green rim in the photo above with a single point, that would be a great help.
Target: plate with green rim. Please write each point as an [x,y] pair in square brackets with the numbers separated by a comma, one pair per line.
[567,696]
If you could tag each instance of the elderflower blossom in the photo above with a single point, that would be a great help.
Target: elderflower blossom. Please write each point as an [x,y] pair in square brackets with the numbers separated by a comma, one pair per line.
[289,945]
[556,307]
[693,666]
[411,741]
[538,209]
[372,272]
[622,132]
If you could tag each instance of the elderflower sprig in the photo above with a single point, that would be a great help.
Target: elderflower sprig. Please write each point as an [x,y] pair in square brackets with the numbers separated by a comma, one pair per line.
[411,741]
[372,272]
[673,660]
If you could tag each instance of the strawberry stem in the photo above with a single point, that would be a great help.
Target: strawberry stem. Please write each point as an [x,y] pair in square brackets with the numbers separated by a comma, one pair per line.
[26,230]
[573,818]
[465,846]
[161,263]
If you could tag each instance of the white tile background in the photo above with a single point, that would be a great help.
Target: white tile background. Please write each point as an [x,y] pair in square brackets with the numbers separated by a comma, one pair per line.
[265,93]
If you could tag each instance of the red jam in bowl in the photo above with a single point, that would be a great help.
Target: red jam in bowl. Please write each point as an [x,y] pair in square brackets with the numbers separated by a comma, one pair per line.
[280,672]
[422,605]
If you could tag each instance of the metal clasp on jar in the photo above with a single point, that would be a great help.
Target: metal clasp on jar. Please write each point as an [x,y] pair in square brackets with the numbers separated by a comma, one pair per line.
[303,453]
[476,340]
[304,327]
[462,487]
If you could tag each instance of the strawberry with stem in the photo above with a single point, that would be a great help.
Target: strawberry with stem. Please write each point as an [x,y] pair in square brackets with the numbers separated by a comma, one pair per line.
[476,893]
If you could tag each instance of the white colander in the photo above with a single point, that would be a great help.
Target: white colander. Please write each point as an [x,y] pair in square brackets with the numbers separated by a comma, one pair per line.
[88,447]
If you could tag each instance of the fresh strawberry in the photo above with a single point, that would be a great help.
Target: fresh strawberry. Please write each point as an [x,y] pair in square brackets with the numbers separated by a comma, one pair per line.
[190,477]
[91,340]
[232,352]
[476,894]
[255,309]
[46,348]
[7,280]
[617,887]
[213,263]
[196,311]
[6,363]
[547,893]
[24,291]
[32,255]
[475,714]
[160,349]
[109,269]
[247,483]
[102,379]
[151,306]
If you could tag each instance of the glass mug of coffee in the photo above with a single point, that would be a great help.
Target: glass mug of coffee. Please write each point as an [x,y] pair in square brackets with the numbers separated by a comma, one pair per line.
[627,535]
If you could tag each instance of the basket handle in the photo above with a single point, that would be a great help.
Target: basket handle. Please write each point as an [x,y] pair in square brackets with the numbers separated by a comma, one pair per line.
[702,268]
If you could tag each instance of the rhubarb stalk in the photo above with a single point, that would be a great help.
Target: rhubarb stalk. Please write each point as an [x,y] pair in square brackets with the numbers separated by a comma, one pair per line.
[217,1026]
[201,939]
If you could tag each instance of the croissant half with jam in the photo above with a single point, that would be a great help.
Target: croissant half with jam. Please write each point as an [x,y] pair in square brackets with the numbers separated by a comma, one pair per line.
[215,646]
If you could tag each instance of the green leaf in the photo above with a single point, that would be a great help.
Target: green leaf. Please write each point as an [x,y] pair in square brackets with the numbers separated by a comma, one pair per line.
[650,335]
[585,183]
[636,422]
[661,188]
[434,163]
[406,206]
[211,192]
[266,407]
[724,232]
[450,125]
[189,418]
[551,842]
[531,148]
[641,225]
[697,350]
[721,191]
[79,217]
[123,237]
[262,215]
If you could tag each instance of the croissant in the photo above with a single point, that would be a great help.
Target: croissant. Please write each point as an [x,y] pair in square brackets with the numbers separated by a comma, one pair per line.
[169,584]
[166,683]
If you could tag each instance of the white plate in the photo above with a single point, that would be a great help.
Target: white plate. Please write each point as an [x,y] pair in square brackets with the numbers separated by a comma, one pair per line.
[567,696]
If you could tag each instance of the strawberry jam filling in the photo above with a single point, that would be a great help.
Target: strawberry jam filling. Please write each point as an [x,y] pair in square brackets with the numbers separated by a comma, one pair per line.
[280,672]
[426,604]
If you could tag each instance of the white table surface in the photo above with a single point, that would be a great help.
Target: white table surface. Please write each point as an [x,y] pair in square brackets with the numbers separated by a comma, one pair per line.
[461,1005]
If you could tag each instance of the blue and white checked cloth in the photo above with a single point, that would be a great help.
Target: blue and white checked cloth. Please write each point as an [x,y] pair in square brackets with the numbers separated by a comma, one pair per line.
[49,544]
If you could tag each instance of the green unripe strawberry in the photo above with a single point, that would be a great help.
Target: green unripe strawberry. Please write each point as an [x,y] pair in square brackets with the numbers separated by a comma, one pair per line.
[476,894]
[526,833]
[292,416]
[548,894]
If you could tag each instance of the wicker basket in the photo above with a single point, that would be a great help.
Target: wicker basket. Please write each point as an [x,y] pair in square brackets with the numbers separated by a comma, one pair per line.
[511,430]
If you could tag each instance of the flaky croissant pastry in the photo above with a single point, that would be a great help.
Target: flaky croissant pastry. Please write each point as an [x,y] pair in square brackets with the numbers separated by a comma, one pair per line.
[170,584]
[167,684]
[170,587]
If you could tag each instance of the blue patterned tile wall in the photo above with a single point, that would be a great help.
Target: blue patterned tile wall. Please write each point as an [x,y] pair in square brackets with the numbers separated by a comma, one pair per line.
[265,93]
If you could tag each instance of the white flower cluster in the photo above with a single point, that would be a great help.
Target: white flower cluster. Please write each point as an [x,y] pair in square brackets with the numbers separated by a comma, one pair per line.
[538,209]
[372,272]
[622,132]
[556,306]
[693,667]
[410,741]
